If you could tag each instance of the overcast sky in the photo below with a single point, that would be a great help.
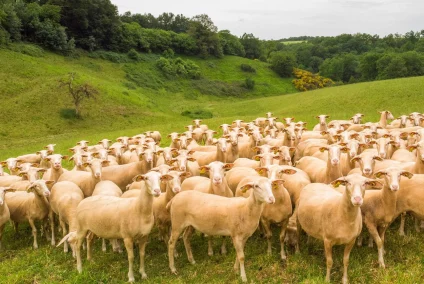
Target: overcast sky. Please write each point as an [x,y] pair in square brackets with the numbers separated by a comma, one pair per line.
[275,19]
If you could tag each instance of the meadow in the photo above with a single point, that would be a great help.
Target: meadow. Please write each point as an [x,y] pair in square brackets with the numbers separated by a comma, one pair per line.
[34,114]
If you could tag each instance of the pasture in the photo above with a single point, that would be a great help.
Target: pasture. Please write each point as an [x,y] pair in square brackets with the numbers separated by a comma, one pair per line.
[116,115]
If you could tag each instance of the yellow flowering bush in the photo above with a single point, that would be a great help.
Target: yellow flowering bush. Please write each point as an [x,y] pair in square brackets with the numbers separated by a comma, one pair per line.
[307,81]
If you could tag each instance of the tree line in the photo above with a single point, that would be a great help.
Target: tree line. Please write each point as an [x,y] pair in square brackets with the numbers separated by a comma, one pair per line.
[62,26]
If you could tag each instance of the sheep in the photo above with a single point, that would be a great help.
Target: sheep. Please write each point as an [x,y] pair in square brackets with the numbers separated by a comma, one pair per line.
[197,124]
[2,173]
[302,146]
[334,217]
[12,165]
[86,180]
[50,148]
[56,169]
[77,159]
[175,143]
[124,140]
[6,181]
[30,206]
[379,207]
[246,147]
[154,134]
[320,171]
[366,161]
[64,199]
[165,155]
[117,151]
[4,210]
[205,213]
[105,143]
[209,140]
[28,175]
[346,158]
[279,212]
[104,188]
[162,169]
[198,135]
[322,125]
[205,158]
[162,217]
[186,163]
[216,184]
[30,158]
[416,118]
[236,174]
[130,219]
[261,160]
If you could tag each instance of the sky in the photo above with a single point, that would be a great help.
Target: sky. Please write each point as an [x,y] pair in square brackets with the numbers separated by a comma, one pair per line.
[276,19]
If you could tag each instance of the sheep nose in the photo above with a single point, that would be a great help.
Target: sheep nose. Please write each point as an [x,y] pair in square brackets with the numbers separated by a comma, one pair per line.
[97,175]
[47,193]
[183,168]
[335,161]
[271,199]
[395,187]
[382,155]
[217,180]
[367,170]
[177,189]
[358,200]
[157,191]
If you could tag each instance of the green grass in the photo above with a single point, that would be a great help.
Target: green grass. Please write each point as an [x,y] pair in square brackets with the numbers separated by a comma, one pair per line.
[33,114]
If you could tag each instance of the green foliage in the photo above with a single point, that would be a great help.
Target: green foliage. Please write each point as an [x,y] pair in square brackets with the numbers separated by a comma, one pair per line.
[204,32]
[110,56]
[197,114]
[142,78]
[219,88]
[341,67]
[249,84]
[178,68]
[282,63]
[133,54]
[252,46]
[231,44]
[28,49]
[391,66]
[368,66]
[247,68]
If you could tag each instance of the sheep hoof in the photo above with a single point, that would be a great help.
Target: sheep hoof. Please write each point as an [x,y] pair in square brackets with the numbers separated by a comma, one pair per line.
[244,279]
[131,280]
[193,261]
[210,253]
[143,275]
[174,271]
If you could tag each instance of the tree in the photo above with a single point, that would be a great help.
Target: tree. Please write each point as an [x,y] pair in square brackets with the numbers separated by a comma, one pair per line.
[391,66]
[368,66]
[252,46]
[231,44]
[282,63]
[78,92]
[203,30]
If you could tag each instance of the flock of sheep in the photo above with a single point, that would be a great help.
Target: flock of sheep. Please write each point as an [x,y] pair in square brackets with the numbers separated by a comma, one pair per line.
[327,182]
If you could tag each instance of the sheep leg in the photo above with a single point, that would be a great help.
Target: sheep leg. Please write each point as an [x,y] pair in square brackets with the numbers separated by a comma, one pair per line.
[142,249]
[382,233]
[34,233]
[15,227]
[370,242]
[223,247]
[80,239]
[239,246]
[186,237]
[64,232]
[346,255]
[45,228]
[360,239]
[372,229]
[210,246]
[299,228]
[329,256]
[417,225]
[282,238]
[104,245]
[51,219]
[130,252]
[89,240]
[175,234]
[402,224]
[268,234]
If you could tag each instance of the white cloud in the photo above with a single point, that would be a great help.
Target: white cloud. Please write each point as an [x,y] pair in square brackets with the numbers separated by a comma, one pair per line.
[274,19]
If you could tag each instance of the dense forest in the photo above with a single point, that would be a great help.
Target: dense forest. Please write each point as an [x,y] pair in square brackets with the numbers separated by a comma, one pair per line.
[67,26]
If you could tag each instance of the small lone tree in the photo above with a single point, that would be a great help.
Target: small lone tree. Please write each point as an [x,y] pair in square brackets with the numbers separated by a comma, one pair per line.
[78,92]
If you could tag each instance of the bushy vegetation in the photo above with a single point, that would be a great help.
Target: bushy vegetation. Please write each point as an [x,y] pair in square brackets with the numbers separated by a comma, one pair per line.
[197,114]
[247,68]
[282,63]
[178,68]
[307,81]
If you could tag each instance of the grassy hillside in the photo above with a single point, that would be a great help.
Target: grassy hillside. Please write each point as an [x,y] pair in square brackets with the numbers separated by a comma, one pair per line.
[33,115]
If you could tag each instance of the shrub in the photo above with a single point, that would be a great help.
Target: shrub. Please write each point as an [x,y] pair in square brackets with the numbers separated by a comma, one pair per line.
[249,84]
[28,49]
[282,63]
[307,81]
[247,68]
[197,114]
[110,56]
[178,68]
[133,54]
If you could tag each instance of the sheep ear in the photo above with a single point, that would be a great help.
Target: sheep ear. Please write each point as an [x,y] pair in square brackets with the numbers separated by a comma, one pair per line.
[21,174]
[378,158]
[338,182]
[261,171]
[185,174]
[345,149]
[204,169]
[355,159]
[246,187]
[71,158]
[105,163]
[288,171]
[50,182]
[276,183]
[373,184]
[41,170]
[173,168]
[322,149]
[138,178]
[407,174]
[166,178]
[3,163]
[86,164]
[257,158]
[30,187]
[191,159]
[35,165]
[228,166]
[379,174]
[159,152]
[412,147]
[324,133]
[65,157]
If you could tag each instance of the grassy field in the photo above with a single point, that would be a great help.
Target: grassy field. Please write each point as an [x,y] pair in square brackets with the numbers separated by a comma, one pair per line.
[31,118]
